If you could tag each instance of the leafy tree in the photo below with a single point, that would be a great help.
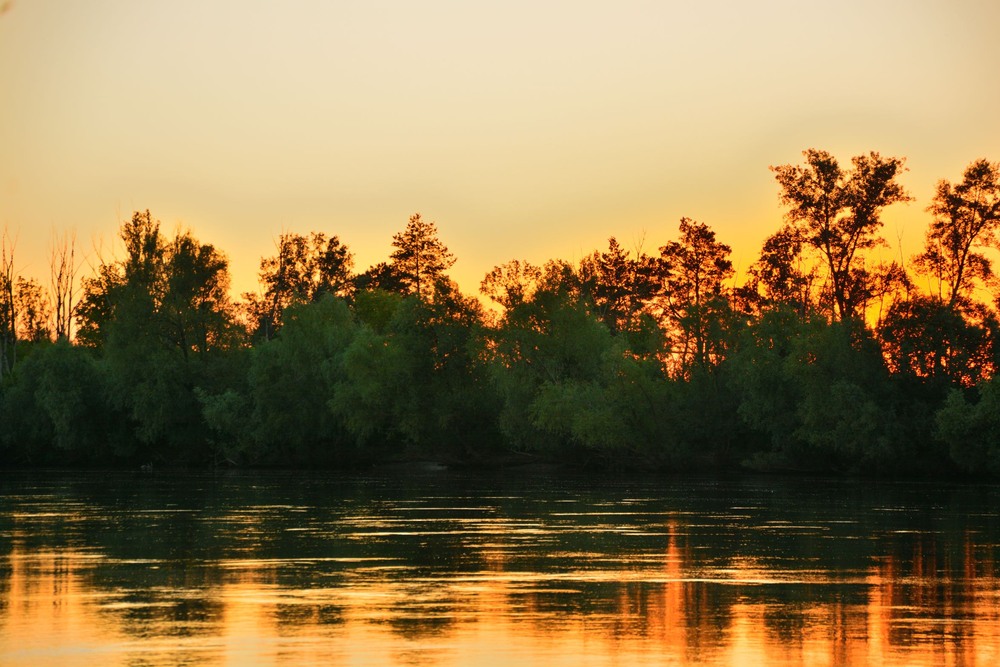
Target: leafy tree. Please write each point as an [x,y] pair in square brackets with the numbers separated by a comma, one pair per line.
[420,259]
[195,308]
[619,285]
[511,284]
[966,217]
[971,429]
[777,279]
[935,341]
[175,294]
[160,316]
[381,276]
[32,311]
[412,378]
[304,269]
[837,214]
[693,271]
[291,380]
[818,391]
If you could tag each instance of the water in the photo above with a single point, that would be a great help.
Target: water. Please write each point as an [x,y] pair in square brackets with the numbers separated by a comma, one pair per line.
[439,568]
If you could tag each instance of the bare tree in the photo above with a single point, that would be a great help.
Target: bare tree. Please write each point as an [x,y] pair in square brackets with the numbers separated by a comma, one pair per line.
[8,306]
[63,276]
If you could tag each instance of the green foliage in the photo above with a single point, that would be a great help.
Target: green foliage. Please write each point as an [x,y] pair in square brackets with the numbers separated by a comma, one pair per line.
[818,391]
[290,383]
[971,430]
[836,213]
[620,361]
[55,412]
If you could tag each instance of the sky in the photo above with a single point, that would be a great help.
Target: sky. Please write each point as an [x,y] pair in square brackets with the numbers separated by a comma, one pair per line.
[524,129]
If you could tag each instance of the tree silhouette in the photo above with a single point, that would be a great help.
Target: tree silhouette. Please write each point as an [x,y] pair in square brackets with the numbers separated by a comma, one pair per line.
[305,268]
[8,307]
[172,294]
[511,284]
[420,258]
[836,212]
[63,270]
[966,216]
[692,274]
[618,284]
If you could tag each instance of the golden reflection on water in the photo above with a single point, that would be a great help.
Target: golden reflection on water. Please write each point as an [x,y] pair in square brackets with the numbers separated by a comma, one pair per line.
[912,605]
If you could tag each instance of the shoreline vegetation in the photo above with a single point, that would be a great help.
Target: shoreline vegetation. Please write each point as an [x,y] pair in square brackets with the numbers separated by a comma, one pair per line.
[825,360]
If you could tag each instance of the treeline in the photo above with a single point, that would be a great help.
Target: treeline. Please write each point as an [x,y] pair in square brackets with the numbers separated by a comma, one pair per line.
[824,359]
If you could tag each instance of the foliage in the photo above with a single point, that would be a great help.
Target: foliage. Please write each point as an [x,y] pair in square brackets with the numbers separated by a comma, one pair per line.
[966,217]
[836,213]
[419,258]
[822,360]
[971,428]
[304,270]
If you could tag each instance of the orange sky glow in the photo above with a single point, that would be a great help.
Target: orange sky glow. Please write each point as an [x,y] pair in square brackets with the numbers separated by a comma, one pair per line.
[525,130]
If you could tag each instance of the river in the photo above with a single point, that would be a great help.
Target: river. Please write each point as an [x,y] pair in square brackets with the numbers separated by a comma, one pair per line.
[423,566]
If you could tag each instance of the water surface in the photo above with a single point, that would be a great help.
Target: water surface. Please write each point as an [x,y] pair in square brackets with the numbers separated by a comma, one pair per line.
[429,567]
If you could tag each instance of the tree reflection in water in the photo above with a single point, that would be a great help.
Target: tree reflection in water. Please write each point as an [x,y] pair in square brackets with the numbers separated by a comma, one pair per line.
[463,569]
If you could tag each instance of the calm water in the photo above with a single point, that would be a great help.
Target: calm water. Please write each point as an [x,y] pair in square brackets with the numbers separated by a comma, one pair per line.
[438,568]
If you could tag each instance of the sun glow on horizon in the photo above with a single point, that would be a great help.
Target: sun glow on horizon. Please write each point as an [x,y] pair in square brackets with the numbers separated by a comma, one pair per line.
[527,131]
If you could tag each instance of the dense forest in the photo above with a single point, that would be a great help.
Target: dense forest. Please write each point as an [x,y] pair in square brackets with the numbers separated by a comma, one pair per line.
[826,357]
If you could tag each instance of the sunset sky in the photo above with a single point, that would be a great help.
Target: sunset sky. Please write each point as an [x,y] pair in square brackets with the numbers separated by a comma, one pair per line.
[528,130]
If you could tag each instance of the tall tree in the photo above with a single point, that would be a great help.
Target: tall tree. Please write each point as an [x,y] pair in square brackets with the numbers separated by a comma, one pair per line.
[304,269]
[420,258]
[8,307]
[966,217]
[511,284]
[63,285]
[32,311]
[619,285]
[693,271]
[778,278]
[175,294]
[837,213]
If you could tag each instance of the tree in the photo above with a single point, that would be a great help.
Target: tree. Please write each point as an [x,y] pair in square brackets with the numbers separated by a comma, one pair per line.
[195,309]
[777,278]
[173,294]
[305,268]
[420,258]
[693,272]
[32,318]
[619,285]
[966,217]
[818,391]
[511,284]
[63,276]
[381,276]
[8,307]
[836,213]
[159,315]
[927,338]
[971,430]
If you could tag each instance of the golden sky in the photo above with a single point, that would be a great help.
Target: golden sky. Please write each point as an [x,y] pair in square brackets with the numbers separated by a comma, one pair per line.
[525,129]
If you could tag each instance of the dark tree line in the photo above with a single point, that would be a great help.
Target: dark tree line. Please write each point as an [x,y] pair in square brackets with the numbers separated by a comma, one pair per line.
[824,359]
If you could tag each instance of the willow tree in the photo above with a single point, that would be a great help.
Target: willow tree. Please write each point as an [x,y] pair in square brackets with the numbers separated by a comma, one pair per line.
[836,213]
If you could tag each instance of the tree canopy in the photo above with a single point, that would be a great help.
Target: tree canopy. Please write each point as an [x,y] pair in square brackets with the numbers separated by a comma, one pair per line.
[622,359]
